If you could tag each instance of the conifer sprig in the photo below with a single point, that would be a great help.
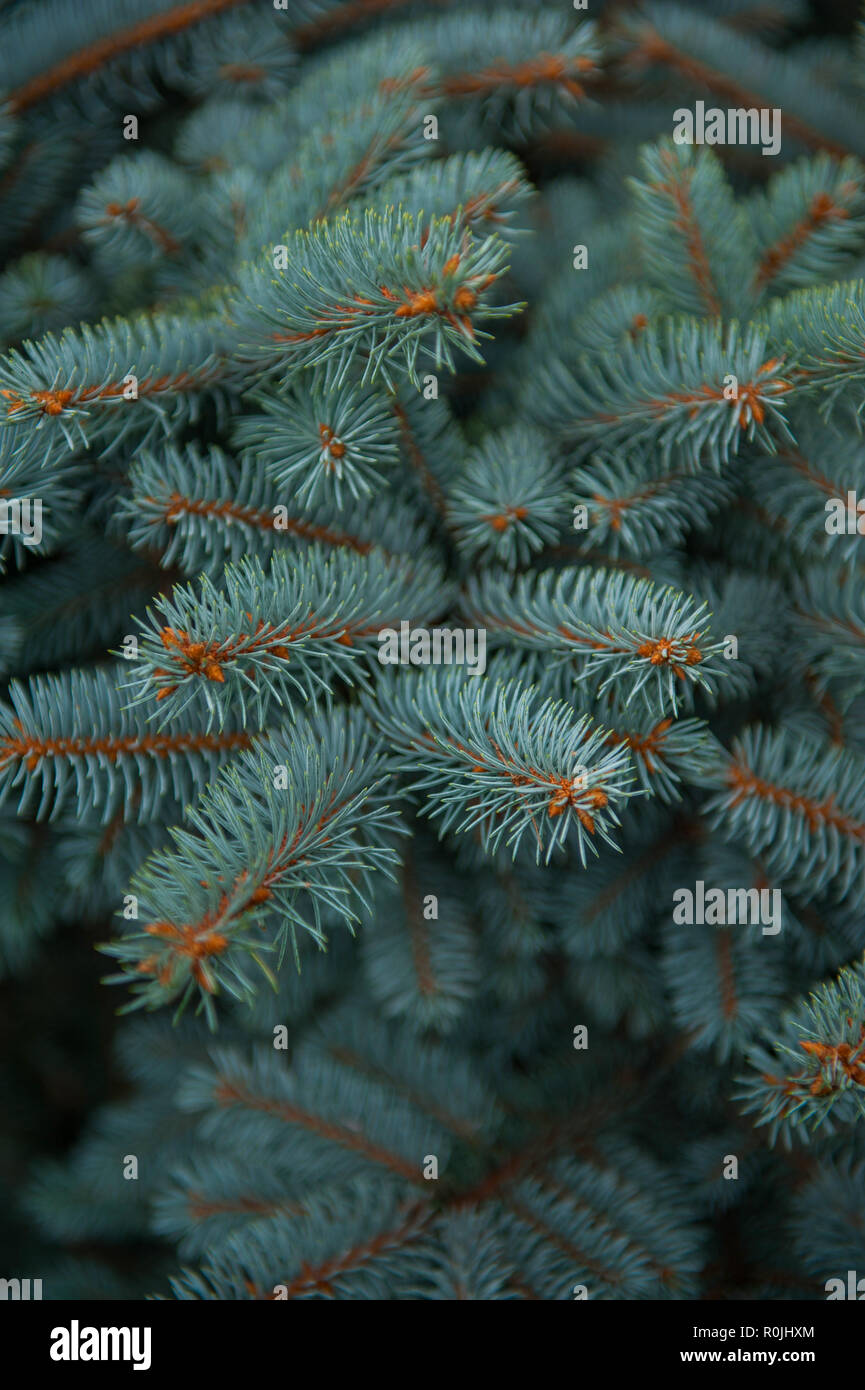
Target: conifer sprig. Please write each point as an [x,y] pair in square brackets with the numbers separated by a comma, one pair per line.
[617,628]
[67,738]
[499,760]
[286,833]
[264,635]
[482,192]
[201,510]
[809,222]
[635,508]
[688,388]
[509,499]
[822,333]
[321,444]
[141,375]
[800,804]
[384,288]
[694,237]
[809,1074]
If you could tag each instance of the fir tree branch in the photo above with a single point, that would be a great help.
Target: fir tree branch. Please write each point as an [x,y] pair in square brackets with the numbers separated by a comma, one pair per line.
[265,635]
[396,294]
[102,49]
[689,389]
[76,382]
[504,762]
[252,855]
[795,1094]
[618,627]
[68,736]
[800,805]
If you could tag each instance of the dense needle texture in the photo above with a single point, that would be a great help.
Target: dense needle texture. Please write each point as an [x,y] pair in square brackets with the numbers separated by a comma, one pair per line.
[432,649]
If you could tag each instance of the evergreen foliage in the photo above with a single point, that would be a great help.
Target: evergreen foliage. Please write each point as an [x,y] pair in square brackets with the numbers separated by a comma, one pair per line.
[312,385]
